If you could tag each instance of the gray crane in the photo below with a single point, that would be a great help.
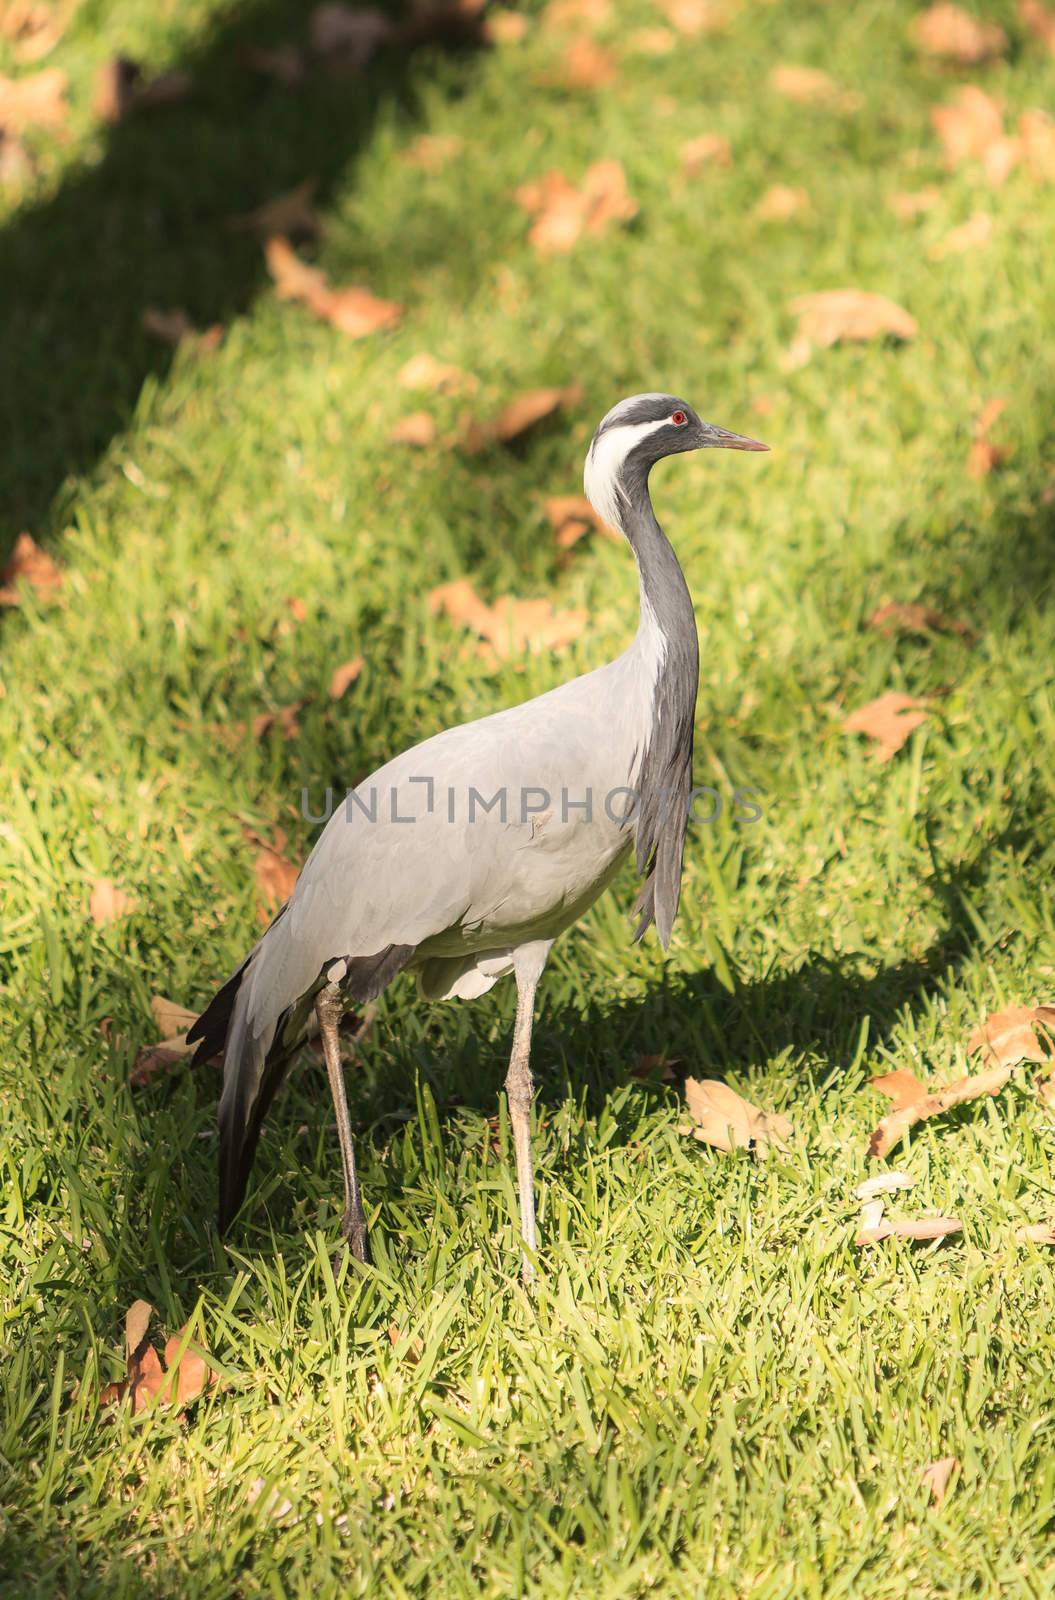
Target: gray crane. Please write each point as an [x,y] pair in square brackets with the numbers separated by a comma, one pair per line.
[465,857]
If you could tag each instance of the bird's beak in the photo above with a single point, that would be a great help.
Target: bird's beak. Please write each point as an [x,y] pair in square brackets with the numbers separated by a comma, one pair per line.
[722,439]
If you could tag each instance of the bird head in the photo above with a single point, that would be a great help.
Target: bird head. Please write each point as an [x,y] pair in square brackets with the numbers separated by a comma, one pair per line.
[636,434]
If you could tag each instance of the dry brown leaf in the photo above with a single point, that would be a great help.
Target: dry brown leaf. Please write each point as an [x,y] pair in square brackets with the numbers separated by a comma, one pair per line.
[291,214]
[169,1016]
[1036,1233]
[563,213]
[893,1128]
[970,235]
[911,617]
[505,27]
[285,63]
[425,372]
[354,310]
[888,720]
[984,455]
[275,875]
[37,101]
[32,29]
[952,34]
[1037,137]
[415,1347]
[518,416]
[585,65]
[146,1381]
[650,42]
[882,1183]
[810,86]
[900,1087]
[107,903]
[914,203]
[691,17]
[971,128]
[724,1119]
[780,203]
[120,88]
[191,1370]
[708,150]
[649,1066]
[418,429]
[282,718]
[137,1321]
[29,565]
[153,1060]
[561,14]
[1008,1037]
[432,151]
[347,38]
[344,676]
[935,1477]
[16,164]
[509,626]
[908,1228]
[571,516]
[173,327]
[1040,21]
[836,316]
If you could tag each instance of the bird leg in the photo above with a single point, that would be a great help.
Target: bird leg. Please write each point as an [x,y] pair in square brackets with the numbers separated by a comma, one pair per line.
[528,964]
[329,1009]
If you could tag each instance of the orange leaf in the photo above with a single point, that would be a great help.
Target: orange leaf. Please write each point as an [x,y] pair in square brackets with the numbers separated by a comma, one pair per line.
[563,213]
[724,1119]
[780,203]
[935,1477]
[586,66]
[108,903]
[424,372]
[38,101]
[291,214]
[900,617]
[1008,1037]
[284,718]
[275,876]
[518,416]
[418,429]
[901,1087]
[120,88]
[835,316]
[710,149]
[344,676]
[951,34]
[971,127]
[572,515]
[888,720]
[505,27]
[415,1345]
[810,86]
[432,151]
[913,204]
[1039,20]
[691,17]
[192,1371]
[353,310]
[509,626]
[31,565]
[970,235]
[984,454]
[894,1127]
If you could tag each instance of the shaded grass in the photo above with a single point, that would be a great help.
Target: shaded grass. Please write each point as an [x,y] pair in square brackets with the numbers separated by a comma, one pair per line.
[711,1390]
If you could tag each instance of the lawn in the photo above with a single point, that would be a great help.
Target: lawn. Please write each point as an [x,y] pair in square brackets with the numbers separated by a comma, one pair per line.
[709,1389]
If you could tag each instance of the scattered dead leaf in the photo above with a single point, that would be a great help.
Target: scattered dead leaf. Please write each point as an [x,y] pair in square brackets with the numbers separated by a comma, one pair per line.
[571,516]
[16,164]
[808,86]
[724,1119]
[36,101]
[505,27]
[563,213]
[432,151]
[425,372]
[781,202]
[282,719]
[971,128]
[883,1183]
[354,310]
[518,416]
[415,1345]
[509,626]
[984,454]
[912,204]
[970,235]
[275,875]
[691,17]
[169,1016]
[1037,136]
[29,565]
[561,14]
[292,215]
[182,1379]
[708,150]
[896,616]
[1036,1233]
[936,1474]
[888,720]
[418,429]
[1039,20]
[838,316]
[586,65]
[107,903]
[32,29]
[1007,1037]
[121,88]
[951,34]
[651,42]
[175,326]
[344,676]
[906,1228]
[930,1103]
[655,1066]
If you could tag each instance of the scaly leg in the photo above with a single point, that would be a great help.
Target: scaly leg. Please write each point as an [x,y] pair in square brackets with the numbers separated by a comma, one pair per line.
[329,1009]
[528,963]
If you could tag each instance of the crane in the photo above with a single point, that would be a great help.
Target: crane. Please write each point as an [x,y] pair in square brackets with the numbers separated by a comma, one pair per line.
[464,858]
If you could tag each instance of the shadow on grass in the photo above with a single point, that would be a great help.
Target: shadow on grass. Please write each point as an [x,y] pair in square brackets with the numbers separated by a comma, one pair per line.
[149,225]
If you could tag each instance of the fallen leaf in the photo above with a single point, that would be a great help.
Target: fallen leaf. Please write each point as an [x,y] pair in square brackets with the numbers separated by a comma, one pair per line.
[344,676]
[32,30]
[285,63]
[153,1060]
[173,327]
[291,214]
[432,151]
[907,1113]
[425,372]
[780,203]
[505,27]
[970,235]
[345,38]
[951,34]
[509,626]
[107,903]
[563,213]
[146,1381]
[896,616]
[137,1321]
[575,13]
[585,65]
[418,429]
[901,1087]
[518,416]
[1037,138]
[192,1371]
[649,1066]
[169,1016]
[913,204]
[909,1228]
[691,17]
[1008,1037]
[651,42]
[282,718]
[971,127]
[571,516]
[29,565]
[275,875]
[836,316]
[888,720]
[984,454]
[1036,1233]
[121,88]
[936,1474]
[882,1183]
[16,164]
[708,150]
[724,1119]
[1039,20]
[37,101]
[415,1345]
[809,86]
[353,310]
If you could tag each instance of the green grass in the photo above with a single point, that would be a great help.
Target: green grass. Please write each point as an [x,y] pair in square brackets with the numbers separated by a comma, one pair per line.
[709,1391]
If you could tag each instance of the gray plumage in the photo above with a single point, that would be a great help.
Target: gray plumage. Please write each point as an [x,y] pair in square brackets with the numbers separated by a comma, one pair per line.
[424,869]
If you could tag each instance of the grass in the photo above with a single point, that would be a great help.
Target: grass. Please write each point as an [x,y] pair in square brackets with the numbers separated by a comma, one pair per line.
[710,1391]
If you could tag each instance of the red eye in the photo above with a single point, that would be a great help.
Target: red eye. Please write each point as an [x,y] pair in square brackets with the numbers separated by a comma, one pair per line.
[679,419]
